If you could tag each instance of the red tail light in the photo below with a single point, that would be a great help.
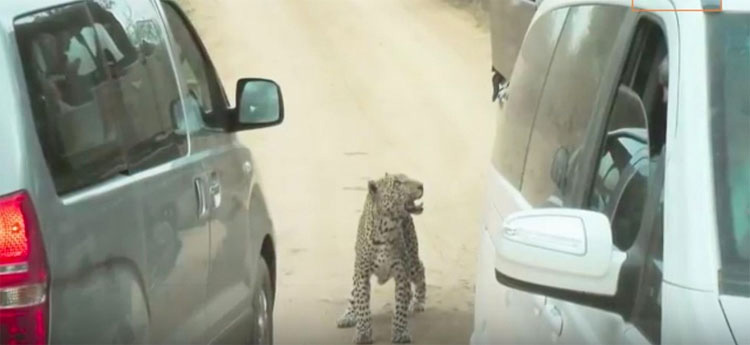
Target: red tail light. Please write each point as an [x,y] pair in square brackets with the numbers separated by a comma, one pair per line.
[23,274]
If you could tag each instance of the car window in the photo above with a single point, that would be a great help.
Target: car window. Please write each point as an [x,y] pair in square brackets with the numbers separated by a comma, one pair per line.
[629,179]
[621,184]
[581,58]
[204,93]
[622,166]
[729,47]
[145,78]
[75,100]
[514,128]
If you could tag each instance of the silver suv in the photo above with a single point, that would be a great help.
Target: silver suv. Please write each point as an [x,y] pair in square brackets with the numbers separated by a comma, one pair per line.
[129,211]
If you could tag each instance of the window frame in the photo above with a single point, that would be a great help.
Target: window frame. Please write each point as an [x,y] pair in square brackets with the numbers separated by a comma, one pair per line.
[635,266]
[579,186]
[622,303]
[597,131]
[151,152]
[512,168]
[114,158]
[219,115]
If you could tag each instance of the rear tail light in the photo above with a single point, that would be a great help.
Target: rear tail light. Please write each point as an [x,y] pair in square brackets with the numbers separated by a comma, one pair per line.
[23,273]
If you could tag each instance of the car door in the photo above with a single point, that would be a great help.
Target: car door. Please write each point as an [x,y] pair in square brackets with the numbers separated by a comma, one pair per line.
[170,182]
[500,322]
[626,186]
[559,149]
[83,196]
[229,175]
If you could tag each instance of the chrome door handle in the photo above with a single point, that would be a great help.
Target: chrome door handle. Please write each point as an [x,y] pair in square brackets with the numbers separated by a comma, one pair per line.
[554,318]
[539,304]
[214,189]
[200,194]
[502,96]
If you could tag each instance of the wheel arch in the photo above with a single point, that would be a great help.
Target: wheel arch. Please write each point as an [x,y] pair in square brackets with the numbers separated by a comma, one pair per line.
[268,254]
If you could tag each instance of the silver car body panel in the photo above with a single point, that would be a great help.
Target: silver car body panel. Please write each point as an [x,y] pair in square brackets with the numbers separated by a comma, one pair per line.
[129,258]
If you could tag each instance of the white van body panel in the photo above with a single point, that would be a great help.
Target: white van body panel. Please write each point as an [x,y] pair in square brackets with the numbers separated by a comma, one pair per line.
[693,311]
[692,317]
[737,311]
[690,221]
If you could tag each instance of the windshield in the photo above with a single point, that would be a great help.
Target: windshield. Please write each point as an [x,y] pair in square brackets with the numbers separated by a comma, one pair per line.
[729,58]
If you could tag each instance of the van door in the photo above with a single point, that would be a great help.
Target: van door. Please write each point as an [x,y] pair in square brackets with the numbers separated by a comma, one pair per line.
[514,128]
[560,151]
[228,177]
[626,185]
[85,204]
[509,20]
[170,183]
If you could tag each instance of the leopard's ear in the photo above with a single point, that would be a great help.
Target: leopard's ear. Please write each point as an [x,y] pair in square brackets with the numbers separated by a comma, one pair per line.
[372,187]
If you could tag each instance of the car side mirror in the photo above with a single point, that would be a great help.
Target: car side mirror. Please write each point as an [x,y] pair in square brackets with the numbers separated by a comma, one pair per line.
[557,251]
[259,104]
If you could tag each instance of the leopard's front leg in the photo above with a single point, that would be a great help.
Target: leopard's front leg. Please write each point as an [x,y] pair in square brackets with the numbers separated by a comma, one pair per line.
[420,289]
[348,319]
[361,295]
[400,331]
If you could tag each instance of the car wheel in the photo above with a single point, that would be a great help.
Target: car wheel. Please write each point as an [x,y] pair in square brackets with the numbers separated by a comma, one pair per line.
[262,320]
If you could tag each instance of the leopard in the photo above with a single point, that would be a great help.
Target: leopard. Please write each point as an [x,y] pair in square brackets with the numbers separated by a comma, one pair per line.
[386,247]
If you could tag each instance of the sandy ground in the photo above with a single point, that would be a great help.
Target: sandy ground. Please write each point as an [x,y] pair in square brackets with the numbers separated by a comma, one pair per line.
[370,87]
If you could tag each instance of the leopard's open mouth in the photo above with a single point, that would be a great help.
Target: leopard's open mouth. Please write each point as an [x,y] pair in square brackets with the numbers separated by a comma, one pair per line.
[415,206]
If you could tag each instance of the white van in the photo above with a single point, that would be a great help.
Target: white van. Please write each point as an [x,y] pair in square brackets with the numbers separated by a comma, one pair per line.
[619,195]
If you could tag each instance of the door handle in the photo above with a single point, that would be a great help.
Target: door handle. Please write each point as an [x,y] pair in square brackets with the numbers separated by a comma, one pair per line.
[502,95]
[554,318]
[214,190]
[539,304]
[200,194]
[500,86]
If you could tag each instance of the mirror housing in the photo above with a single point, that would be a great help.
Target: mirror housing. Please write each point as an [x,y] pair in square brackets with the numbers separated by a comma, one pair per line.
[259,104]
[558,252]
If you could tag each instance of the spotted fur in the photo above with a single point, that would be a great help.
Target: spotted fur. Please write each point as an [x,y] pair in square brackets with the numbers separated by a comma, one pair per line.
[387,247]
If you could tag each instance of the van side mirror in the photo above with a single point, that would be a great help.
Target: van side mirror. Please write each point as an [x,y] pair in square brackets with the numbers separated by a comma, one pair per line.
[259,104]
[558,251]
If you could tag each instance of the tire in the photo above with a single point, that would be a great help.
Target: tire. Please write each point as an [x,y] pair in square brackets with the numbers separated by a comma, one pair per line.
[262,303]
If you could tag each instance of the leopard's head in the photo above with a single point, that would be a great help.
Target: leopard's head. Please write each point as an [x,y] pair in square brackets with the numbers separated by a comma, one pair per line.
[397,195]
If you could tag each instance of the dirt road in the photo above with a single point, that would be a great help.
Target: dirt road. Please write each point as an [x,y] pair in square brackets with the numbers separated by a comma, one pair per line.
[370,87]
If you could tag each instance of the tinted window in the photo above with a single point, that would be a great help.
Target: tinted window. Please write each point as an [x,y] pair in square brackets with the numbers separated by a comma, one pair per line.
[101,86]
[729,52]
[635,133]
[146,79]
[204,94]
[581,59]
[628,182]
[514,127]
[75,99]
